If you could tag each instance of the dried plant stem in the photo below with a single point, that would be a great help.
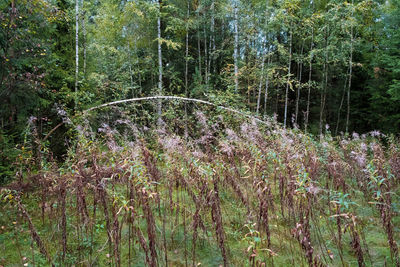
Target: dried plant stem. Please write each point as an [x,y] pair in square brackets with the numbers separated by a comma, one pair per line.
[34,233]
[63,219]
[216,216]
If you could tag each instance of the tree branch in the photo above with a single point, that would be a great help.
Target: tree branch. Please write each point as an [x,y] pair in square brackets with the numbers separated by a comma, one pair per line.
[175,98]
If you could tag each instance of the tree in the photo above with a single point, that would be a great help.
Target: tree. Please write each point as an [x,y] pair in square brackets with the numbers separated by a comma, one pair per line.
[160,65]
[76,51]
[236,48]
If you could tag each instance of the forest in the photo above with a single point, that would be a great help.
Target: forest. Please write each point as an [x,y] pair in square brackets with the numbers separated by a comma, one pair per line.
[199,133]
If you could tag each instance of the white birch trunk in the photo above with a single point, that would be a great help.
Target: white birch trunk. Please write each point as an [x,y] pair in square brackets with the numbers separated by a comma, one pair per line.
[266,85]
[300,69]
[205,57]
[341,103]
[235,52]
[324,87]
[212,39]
[76,51]
[84,39]
[187,68]
[198,42]
[261,80]
[350,74]
[309,82]
[160,66]
[288,80]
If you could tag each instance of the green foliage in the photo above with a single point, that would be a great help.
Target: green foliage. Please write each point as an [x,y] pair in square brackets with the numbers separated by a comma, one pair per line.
[8,156]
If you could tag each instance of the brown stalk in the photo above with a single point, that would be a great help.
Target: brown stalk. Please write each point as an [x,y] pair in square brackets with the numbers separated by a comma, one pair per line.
[355,242]
[63,218]
[116,235]
[151,226]
[216,216]
[34,234]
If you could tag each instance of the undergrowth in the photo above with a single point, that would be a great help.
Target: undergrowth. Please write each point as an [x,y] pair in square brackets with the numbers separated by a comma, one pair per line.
[247,195]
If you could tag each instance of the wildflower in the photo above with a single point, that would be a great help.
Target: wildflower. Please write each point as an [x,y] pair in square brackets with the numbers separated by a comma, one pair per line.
[363,147]
[375,133]
[231,135]
[360,158]
[201,118]
[63,114]
[171,143]
[32,119]
[226,148]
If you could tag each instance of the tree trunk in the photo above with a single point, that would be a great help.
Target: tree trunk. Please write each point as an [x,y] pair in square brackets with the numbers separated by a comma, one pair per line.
[288,79]
[130,69]
[76,51]
[137,64]
[84,39]
[246,62]
[341,104]
[300,69]
[205,58]
[324,87]
[160,66]
[261,80]
[187,50]
[198,43]
[187,64]
[212,39]
[266,85]
[309,81]
[350,75]
[235,52]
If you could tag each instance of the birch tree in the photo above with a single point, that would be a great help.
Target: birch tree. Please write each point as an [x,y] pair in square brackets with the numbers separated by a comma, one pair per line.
[84,37]
[236,48]
[76,51]
[160,66]
[350,69]
[309,85]
[261,78]
[288,76]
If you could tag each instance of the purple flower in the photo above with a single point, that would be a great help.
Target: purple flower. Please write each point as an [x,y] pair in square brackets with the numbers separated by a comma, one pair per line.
[356,136]
[32,119]
[375,133]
